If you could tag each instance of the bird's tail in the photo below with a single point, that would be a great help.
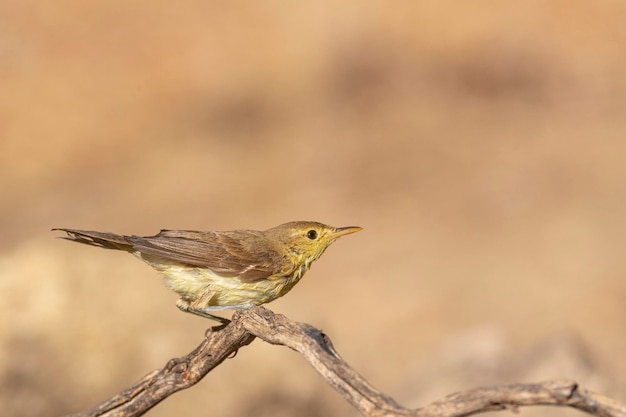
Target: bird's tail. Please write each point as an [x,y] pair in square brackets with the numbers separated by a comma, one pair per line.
[100,239]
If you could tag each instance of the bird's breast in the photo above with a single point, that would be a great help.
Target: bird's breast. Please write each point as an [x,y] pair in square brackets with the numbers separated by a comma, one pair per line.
[192,283]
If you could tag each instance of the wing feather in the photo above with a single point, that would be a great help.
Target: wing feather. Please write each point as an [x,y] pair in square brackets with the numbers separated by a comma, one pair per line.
[243,253]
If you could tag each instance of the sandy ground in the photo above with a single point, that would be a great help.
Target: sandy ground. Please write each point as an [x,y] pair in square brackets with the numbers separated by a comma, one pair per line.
[481,145]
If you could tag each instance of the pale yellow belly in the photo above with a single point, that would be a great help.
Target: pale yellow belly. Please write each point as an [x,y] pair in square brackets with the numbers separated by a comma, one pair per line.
[192,283]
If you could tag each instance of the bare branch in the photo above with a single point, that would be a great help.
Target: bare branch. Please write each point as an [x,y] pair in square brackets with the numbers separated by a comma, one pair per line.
[318,350]
[177,374]
[563,393]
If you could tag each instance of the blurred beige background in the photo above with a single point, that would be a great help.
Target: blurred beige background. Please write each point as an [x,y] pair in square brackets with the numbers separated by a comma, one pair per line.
[480,144]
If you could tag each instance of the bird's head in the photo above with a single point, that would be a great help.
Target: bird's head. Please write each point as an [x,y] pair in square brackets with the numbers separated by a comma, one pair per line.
[308,240]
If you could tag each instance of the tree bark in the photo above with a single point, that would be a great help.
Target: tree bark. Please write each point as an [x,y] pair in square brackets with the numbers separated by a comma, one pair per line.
[224,341]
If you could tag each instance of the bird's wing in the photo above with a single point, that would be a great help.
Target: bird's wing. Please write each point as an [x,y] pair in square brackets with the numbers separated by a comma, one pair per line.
[239,254]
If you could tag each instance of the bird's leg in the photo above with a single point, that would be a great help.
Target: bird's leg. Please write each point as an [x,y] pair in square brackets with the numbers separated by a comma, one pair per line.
[230,307]
[184,305]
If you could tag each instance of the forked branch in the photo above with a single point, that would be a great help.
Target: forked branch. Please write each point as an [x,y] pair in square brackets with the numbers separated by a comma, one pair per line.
[318,350]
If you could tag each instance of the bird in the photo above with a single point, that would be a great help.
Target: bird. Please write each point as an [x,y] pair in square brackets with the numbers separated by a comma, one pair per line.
[225,270]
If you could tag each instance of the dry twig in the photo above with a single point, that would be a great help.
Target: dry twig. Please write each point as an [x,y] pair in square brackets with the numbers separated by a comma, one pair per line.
[317,349]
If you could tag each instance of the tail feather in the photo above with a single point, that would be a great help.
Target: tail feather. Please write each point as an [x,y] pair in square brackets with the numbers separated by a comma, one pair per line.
[99,239]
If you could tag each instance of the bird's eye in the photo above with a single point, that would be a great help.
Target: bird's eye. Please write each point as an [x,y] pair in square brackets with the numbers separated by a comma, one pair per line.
[311,234]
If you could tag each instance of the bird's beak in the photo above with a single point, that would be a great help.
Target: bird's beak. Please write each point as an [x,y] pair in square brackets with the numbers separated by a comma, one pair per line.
[341,231]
